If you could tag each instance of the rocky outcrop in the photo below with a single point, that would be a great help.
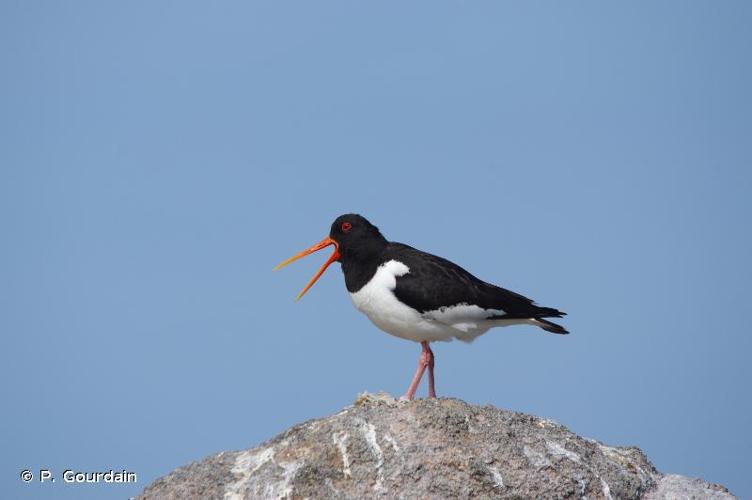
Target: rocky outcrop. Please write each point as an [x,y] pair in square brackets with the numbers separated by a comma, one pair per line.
[429,448]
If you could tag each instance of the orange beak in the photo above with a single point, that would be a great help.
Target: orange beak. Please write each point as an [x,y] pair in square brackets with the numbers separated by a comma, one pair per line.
[315,248]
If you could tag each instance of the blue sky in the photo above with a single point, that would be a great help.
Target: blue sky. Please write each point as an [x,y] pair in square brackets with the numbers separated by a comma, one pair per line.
[157,159]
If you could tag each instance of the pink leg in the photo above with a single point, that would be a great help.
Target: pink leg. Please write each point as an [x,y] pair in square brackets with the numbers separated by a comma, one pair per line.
[431,387]
[425,361]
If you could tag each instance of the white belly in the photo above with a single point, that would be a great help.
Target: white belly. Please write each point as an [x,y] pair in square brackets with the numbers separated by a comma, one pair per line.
[377,301]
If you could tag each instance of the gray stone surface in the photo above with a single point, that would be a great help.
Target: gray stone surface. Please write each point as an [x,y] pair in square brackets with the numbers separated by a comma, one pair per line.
[675,487]
[429,448]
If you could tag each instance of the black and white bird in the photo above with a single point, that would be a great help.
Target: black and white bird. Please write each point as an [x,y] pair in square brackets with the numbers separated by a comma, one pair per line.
[418,296]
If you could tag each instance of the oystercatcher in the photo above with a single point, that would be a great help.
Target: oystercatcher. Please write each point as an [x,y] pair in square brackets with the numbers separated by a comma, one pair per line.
[418,296]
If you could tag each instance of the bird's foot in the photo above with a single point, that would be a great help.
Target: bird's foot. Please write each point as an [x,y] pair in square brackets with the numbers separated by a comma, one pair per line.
[424,361]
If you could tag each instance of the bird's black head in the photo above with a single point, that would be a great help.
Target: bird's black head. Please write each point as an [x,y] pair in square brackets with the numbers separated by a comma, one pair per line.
[356,241]
[356,237]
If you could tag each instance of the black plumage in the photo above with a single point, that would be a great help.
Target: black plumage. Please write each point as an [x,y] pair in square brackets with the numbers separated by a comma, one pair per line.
[433,282]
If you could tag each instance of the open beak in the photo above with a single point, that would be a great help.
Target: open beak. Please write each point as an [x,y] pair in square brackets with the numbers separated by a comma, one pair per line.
[315,248]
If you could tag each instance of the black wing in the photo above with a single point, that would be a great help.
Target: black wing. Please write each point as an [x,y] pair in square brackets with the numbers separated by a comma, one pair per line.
[434,282]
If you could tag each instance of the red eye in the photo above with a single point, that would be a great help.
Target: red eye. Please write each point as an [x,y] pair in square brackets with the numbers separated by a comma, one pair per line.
[346,226]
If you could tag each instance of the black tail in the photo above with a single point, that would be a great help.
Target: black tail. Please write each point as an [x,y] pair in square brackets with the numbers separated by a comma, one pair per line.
[549,326]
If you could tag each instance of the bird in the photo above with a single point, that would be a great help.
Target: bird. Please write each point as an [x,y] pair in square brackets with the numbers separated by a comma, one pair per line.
[417,296]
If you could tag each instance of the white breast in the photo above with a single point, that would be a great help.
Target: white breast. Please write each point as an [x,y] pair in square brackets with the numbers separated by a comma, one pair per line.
[377,301]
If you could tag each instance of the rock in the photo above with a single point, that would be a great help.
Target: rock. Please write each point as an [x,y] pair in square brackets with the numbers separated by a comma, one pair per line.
[429,448]
[674,486]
